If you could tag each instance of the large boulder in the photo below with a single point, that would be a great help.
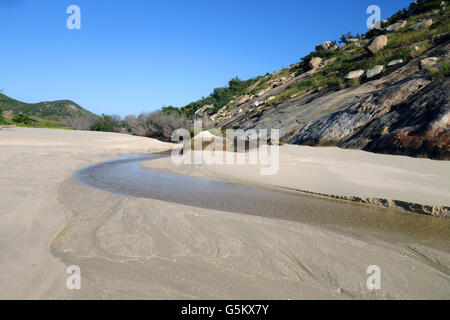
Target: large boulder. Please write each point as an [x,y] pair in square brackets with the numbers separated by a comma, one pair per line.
[262,92]
[244,99]
[396,26]
[315,62]
[395,62]
[374,71]
[351,40]
[206,140]
[200,112]
[377,44]
[428,62]
[354,74]
[422,25]
[327,45]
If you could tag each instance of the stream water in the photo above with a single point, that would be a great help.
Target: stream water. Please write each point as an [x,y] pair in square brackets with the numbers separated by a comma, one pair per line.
[125,176]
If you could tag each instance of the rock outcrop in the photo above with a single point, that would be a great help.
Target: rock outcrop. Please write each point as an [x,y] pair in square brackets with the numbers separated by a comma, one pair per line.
[327,45]
[377,44]
[374,71]
[354,74]
[395,62]
[428,62]
[202,111]
[315,62]
[396,26]
[421,25]
[405,111]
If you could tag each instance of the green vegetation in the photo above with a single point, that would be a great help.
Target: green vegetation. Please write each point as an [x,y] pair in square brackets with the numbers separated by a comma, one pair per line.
[445,69]
[261,86]
[55,114]
[22,118]
[398,16]
[107,123]
[404,44]
[54,109]
[220,96]
[347,36]
[170,109]
[439,73]
[324,54]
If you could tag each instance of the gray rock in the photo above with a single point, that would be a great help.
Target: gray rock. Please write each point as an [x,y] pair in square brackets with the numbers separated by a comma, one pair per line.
[354,74]
[440,37]
[428,62]
[421,25]
[315,62]
[377,44]
[327,45]
[244,99]
[200,112]
[403,112]
[396,26]
[395,62]
[374,71]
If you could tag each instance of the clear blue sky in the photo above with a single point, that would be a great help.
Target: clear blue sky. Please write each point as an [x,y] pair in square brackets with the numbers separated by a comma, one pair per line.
[138,55]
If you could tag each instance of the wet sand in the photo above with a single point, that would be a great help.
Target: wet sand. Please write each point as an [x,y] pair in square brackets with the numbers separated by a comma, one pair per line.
[125,176]
[136,247]
[33,163]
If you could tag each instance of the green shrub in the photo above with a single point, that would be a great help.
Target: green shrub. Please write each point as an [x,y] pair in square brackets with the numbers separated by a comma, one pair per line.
[428,6]
[373,33]
[107,123]
[354,82]
[22,118]
[399,15]
[345,37]
[445,69]
[169,109]
[221,96]
[324,54]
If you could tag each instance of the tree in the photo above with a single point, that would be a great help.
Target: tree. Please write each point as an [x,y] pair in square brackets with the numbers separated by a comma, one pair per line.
[107,123]
[23,118]
[347,36]
[81,122]
[158,124]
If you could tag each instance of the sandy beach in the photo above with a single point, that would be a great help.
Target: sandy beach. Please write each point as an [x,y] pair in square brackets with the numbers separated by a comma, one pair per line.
[132,247]
[33,164]
[336,172]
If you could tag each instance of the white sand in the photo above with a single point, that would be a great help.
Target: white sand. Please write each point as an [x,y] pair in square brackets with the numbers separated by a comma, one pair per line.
[33,162]
[340,172]
[140,248]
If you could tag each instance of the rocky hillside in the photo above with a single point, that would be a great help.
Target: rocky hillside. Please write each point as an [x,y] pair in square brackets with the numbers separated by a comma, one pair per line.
[387,91]
[61,109]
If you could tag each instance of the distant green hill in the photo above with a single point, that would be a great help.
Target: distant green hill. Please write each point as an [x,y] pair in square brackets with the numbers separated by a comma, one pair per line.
[61,109]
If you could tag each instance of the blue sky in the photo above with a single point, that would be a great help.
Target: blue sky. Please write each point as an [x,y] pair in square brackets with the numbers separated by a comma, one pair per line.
[138,55]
